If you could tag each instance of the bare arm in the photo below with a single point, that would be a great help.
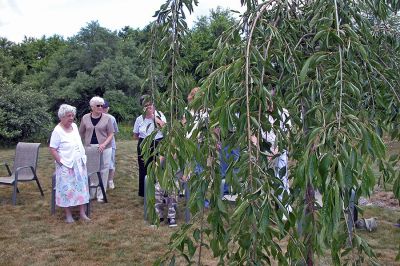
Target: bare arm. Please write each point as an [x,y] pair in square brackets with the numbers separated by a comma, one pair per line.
[103,145]
[135,136]
[159,122]
[159,119]
[55,155]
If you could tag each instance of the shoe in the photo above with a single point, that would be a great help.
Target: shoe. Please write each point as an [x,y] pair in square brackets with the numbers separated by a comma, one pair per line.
[100,200]
[172,222]
[111,184]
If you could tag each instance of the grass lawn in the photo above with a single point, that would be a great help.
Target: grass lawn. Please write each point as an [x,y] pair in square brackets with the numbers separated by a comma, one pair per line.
[117,234]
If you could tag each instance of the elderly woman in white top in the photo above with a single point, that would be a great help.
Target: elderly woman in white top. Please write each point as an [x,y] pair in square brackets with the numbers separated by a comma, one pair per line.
[66,147]
[144,125]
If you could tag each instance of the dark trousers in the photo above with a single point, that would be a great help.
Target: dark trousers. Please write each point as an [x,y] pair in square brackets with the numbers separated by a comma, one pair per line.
[143,165]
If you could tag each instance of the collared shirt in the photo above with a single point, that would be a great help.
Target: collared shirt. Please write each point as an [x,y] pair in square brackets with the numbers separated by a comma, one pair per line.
[145,126]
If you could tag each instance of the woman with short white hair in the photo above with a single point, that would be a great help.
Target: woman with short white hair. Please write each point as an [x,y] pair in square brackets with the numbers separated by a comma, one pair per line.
[96,129]
[66,147]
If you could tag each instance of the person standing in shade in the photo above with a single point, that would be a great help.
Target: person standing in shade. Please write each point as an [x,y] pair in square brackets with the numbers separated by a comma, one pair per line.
[106,109]
[279,155]
[144,125]
[96,129]
[72,188]
[281,162]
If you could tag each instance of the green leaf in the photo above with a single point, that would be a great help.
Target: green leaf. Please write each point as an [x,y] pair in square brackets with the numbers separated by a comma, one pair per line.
[305,68]
[312,166]
[245,241]
[340,174]
[221,205]
[324,165]
[240,210]
[214,246]
[196,234]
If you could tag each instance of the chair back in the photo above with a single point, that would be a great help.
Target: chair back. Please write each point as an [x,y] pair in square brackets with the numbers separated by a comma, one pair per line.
[93,159]
[26,154]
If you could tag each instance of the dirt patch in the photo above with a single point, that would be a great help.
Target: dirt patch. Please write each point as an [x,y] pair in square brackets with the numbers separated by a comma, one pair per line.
[384,199]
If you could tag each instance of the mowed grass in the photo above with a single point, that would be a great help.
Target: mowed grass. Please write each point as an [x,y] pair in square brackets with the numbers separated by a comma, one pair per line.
[117,234]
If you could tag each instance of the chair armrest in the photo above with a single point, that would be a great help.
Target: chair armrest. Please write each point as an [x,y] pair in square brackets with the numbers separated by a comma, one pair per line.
[7,167]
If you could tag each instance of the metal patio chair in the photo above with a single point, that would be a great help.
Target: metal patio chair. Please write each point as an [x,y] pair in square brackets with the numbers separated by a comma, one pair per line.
[24,168]
[93,165]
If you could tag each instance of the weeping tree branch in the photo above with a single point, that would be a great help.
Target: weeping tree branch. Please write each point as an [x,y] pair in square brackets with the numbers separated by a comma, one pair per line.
[174,54]
[265,56]
[341,66]
[248,78]
[248,91]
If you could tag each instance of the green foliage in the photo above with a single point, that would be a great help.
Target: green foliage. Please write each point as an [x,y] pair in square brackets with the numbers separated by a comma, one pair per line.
[202,38]
[95,62]
[125,131]
[336,74]
[122,107]
[23,113]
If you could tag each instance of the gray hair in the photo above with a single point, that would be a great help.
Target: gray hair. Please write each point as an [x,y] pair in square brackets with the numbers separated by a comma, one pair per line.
[96,100]
[65,109]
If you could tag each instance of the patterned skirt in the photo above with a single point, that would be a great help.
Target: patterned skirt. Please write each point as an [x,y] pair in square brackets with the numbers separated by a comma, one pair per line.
[72,188]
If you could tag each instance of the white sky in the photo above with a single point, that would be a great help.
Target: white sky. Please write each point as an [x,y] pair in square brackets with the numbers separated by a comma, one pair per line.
[35,18]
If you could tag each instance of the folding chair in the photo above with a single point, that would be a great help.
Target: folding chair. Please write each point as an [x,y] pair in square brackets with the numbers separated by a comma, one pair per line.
[93,165]
[24,168]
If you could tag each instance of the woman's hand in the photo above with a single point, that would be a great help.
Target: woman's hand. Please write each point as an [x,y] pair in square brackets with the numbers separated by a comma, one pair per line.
[159,122]
[254,140]
[55,155]
[102,147]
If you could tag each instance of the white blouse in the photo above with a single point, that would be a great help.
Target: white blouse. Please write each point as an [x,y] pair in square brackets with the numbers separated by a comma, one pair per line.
[145,126]
[68,145]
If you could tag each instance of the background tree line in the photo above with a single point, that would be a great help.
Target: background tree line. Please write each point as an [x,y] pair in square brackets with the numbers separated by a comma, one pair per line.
[37,75]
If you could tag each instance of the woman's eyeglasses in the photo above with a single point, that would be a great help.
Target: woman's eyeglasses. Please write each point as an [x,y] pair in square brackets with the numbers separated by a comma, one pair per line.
[99,105]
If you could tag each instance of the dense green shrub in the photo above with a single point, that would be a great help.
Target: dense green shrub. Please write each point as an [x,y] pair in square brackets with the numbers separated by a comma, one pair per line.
[122,107]
[23,113]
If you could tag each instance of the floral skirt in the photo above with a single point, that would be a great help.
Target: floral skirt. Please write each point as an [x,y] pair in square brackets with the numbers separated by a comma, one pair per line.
[72,188]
